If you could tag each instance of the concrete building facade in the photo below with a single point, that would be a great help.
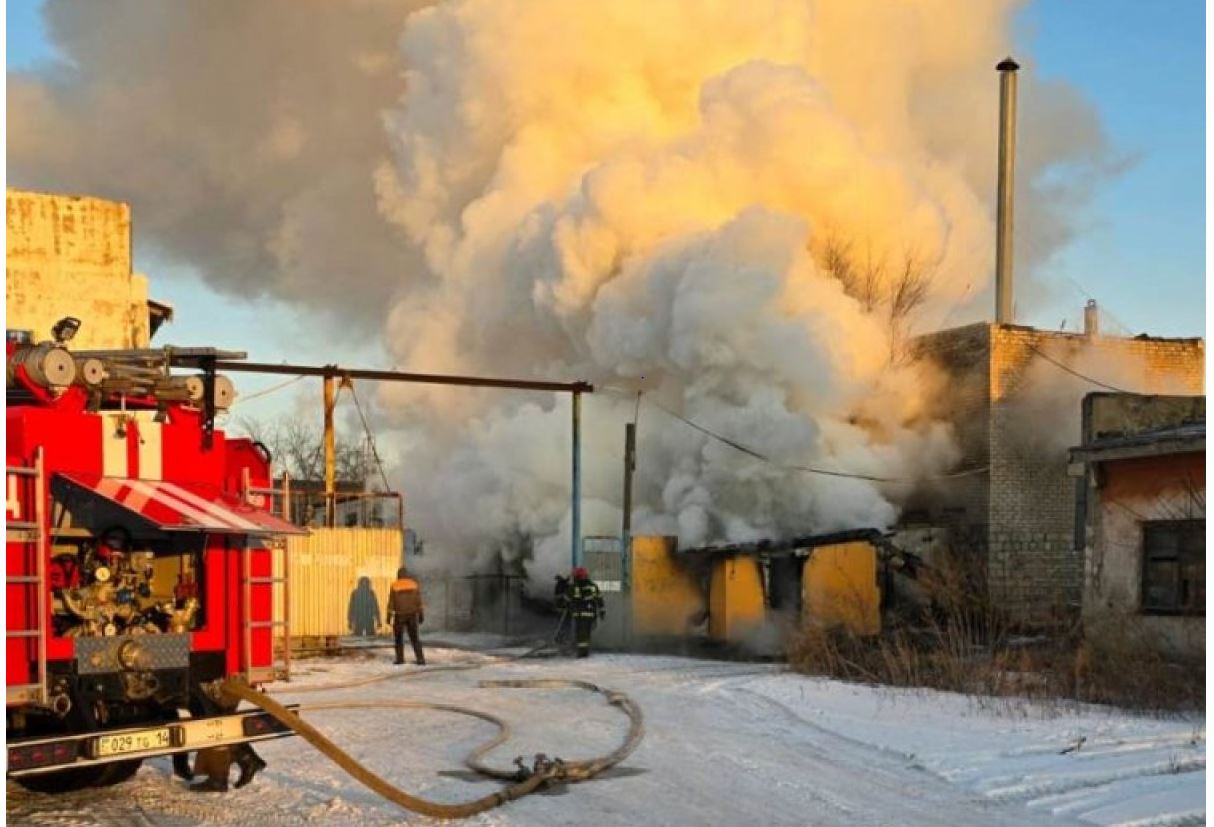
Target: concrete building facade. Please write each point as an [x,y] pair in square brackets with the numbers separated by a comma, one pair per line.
[69,255]
[1141,503]
[1014,401]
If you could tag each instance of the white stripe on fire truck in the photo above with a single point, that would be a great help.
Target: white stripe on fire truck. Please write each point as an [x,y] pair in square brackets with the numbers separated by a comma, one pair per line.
[113,447]
[159,493]
[120,491]
[150,451]
[214,510]
[135,500]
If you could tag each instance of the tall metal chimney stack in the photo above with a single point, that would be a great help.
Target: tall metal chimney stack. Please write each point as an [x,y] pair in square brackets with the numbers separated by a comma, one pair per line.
[1007,186]
[1091,319]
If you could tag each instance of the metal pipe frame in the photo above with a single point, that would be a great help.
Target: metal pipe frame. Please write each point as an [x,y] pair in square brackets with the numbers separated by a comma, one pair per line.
[400,376]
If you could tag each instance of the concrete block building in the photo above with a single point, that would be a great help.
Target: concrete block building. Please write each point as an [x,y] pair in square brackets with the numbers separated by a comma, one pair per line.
[1014,399]
[68,255]
[1142,494]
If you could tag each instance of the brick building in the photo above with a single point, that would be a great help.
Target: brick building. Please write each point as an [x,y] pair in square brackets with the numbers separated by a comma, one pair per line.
[1015,399]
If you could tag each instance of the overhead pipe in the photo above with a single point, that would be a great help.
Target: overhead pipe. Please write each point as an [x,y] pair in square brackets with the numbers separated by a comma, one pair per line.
[1004,293]
[331,372]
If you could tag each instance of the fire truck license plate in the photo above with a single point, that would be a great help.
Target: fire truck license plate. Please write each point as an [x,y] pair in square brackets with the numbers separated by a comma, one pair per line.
[133,742]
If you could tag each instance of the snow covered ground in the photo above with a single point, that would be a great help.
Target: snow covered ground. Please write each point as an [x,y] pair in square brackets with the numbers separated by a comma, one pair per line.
[726,743]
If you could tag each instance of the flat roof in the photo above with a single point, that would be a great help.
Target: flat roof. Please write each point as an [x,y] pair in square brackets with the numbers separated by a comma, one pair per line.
[1186,438]
[789,545]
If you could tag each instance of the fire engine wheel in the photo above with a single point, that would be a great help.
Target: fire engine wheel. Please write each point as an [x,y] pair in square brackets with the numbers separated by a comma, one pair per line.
[64,781]
[118,772]
[77,778]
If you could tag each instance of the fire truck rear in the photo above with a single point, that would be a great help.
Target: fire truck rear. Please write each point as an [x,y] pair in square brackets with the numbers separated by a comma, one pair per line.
[143,562]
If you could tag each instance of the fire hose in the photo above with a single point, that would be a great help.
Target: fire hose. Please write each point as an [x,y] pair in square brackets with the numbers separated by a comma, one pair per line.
[544,771]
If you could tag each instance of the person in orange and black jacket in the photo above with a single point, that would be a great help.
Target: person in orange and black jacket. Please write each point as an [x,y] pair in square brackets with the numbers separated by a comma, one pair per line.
[406,613]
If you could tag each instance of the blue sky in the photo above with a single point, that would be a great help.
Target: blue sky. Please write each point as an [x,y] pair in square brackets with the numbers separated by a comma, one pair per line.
[1141,252]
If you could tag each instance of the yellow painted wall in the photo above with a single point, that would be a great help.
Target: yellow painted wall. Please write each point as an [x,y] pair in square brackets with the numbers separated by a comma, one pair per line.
[666,596]
[324,568]
[839,587]
[736,604]
[71,256]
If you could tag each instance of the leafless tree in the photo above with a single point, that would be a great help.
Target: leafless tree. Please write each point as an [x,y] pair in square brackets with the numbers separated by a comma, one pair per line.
[298,448]
[896,291]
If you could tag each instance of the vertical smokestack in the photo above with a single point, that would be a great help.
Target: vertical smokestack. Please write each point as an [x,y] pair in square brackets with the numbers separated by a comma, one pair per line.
[1007,185]
[1091,319]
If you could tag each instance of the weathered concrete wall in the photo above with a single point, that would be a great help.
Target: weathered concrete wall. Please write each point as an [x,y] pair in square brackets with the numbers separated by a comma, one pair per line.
[71,256]
[1111,414]
[1133,491]
[1017,412]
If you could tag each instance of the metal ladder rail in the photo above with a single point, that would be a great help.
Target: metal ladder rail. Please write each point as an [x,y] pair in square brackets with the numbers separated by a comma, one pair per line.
[25,531]
[248,581]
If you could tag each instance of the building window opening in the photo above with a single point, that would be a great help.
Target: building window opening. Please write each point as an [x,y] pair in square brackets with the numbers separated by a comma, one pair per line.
[1174,567]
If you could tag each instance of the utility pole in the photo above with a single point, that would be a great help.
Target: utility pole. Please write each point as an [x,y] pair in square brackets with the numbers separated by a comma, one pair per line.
[330,453]
[630,465]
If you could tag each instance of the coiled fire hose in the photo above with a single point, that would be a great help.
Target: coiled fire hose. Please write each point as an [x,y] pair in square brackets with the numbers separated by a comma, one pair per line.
[544,771]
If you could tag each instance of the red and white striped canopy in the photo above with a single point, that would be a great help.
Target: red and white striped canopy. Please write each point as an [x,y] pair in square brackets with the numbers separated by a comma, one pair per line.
[182,506]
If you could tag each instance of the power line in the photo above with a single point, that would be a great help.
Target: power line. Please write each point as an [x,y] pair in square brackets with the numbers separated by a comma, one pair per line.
[370,438]
[271,389]
[1076,373]
[808,469]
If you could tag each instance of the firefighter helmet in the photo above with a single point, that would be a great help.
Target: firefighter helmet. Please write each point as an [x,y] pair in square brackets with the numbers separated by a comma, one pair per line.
[580,573]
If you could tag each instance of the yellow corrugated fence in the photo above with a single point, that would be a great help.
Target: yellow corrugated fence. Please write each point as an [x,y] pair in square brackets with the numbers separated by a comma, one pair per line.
[325,568]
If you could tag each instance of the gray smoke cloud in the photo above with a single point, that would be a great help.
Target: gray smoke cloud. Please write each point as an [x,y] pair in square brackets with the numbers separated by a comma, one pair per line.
[244,135]
[641,194]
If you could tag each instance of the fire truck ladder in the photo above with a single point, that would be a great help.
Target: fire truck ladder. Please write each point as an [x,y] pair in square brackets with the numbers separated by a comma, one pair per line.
[30,532]
[279,669]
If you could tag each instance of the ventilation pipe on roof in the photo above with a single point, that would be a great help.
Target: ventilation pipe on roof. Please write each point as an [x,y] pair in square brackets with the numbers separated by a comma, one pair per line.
[1007,185]
[1091,319]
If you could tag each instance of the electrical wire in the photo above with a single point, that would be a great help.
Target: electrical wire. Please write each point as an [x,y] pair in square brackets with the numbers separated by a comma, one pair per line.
[1076,373]
[370,438]
[808,469]
[271,389]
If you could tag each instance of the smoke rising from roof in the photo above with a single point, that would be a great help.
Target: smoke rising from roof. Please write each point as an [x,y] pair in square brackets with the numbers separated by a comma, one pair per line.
[641,194]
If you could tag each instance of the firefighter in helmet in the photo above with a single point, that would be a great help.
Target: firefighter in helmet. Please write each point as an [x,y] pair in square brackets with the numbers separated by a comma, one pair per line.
[584,602]
[406,613]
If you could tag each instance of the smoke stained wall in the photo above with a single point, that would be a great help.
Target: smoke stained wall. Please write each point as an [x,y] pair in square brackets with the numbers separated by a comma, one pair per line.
[625,192]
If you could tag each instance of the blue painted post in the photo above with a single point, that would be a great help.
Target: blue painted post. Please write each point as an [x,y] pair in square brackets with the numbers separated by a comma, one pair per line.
[577,478]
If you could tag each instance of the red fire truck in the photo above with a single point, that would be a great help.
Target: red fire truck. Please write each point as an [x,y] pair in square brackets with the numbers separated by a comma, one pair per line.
[142,562]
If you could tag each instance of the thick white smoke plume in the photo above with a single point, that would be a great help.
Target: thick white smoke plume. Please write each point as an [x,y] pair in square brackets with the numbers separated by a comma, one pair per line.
[711,201]
[646,195]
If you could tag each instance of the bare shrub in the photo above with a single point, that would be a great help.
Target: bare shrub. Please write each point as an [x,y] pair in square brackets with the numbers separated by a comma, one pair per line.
[962,644]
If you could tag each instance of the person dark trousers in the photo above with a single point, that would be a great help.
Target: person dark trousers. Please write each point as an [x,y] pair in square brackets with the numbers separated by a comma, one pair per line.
[214,764]
[406,613]
[586,604]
